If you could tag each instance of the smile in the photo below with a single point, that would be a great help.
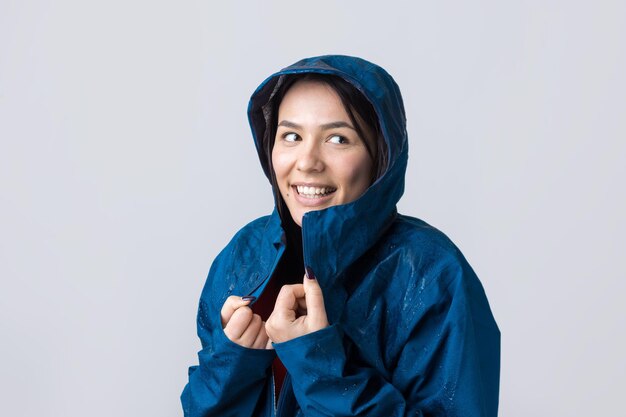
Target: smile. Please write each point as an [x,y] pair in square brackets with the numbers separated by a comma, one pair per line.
[314,192]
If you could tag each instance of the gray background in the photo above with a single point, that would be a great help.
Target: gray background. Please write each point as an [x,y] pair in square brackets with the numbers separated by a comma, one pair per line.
[126,164]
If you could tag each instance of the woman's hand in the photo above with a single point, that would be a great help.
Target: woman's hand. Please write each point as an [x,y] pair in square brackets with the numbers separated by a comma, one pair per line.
[299,310]
[242,326]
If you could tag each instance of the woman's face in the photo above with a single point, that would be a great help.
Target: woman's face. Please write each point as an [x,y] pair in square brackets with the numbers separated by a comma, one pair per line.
[318,157]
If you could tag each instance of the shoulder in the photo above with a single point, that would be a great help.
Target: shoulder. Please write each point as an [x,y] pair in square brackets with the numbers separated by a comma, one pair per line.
[252,240]
[418,277]
[429,270]
[413,238]
[253,232]
[257,234]
[424,254]
[413,231]
[437,273]
[243,256]
[256,227]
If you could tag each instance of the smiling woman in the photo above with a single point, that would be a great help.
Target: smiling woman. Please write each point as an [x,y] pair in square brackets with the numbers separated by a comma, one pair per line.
[335,304]
[319,158]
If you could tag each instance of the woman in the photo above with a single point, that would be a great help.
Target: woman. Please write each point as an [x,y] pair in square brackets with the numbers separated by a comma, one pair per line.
[335,304]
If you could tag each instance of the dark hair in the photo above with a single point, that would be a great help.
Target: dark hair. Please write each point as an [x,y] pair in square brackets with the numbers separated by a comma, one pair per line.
[355,104]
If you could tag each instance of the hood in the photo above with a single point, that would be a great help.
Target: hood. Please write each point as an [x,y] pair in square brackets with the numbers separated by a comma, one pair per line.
[336,236]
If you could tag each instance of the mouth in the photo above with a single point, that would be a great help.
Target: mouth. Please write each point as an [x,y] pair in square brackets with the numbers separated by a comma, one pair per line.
[313,192]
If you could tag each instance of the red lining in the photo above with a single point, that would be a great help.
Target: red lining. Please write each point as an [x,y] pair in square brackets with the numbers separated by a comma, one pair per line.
[264,307]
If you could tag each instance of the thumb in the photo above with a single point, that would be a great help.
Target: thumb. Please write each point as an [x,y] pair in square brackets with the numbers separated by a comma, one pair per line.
[232,304]
[316,312]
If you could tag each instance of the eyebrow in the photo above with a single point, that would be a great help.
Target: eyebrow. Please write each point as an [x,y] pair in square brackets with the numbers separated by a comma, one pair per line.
[326,126]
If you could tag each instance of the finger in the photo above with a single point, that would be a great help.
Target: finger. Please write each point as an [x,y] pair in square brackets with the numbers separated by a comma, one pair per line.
[301,307]
[231,304]
[249,336]
[287,300]
[238,323]
[316,312]
[261,339]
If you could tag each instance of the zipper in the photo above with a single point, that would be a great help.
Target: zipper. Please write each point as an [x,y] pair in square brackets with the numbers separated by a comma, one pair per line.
[279,255]
[274,405]
[283,393]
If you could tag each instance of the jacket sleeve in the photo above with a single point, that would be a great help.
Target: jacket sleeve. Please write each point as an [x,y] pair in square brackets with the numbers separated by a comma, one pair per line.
[230,379]
[449,366]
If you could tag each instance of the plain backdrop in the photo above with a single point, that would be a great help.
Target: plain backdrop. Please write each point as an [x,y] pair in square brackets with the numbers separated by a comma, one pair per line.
[126,164]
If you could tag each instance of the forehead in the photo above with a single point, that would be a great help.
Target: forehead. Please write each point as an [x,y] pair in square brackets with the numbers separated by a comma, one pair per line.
[307,98]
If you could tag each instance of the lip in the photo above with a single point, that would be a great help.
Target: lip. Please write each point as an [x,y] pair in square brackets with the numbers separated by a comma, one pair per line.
[311,202]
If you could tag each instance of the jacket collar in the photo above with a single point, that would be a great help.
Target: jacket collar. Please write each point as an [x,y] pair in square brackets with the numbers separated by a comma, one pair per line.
[336,237]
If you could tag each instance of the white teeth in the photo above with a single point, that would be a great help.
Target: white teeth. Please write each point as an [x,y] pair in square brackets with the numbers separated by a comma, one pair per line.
[313,192]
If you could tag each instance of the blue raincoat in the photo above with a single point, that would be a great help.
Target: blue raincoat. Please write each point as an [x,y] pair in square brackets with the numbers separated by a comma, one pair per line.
[411,330]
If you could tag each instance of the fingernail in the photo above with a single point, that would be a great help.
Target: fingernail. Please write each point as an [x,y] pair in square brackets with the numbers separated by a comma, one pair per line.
[309,272]
[248,298]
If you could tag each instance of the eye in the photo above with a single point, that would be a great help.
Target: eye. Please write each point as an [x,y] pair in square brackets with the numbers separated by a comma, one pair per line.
[340,140]
[290,137]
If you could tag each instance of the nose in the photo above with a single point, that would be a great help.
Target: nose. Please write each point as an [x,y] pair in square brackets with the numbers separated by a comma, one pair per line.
[310,157]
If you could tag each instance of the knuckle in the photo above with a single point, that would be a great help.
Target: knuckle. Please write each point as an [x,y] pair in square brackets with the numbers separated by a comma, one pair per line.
[241,316]
[285,290]
[244,312]
[270,328]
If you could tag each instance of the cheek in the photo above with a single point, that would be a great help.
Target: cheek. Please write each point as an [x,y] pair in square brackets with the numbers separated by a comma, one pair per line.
[278,164]
[281,170]
[280,160]
[357,172]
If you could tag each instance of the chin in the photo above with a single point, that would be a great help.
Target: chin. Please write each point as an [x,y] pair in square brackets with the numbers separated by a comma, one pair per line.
[298,219]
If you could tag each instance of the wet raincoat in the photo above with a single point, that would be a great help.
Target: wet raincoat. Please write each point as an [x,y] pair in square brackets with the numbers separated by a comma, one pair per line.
[411,330]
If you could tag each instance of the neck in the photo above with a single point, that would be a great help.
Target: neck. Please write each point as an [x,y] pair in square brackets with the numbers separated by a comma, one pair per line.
[294,242]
